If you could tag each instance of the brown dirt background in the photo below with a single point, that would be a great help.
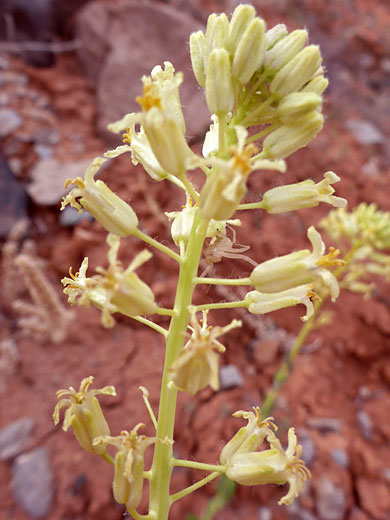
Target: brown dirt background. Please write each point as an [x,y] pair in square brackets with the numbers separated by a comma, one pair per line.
[344,367]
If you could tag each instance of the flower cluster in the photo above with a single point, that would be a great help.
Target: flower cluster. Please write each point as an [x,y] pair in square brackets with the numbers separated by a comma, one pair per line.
[249,467]
[364,237]
[257,77]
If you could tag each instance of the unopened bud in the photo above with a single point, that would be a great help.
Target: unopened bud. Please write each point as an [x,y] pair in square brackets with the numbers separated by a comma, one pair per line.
[241,18]
[275,34]
[297,72]
[285,49]
[316,85]
[297,105]
[217,31]
[197,49]
[287,139]
[250,51]
[219,87]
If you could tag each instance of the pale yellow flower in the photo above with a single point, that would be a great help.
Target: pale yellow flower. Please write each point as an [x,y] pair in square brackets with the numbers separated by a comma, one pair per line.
[273,466]
[129,464]
[83,413]
[197,365]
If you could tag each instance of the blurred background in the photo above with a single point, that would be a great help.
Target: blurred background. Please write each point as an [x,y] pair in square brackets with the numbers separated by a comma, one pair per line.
[69,67]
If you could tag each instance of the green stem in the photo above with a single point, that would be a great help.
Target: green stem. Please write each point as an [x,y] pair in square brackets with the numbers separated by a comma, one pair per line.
[223,281]
[222,305]
[286,367]
[151,324]
[163,460]
[151,241]
[199,465]
[194,487]
[189,187]
[251,205]
[166,312]
[107,457]
[262,133]
[221,135]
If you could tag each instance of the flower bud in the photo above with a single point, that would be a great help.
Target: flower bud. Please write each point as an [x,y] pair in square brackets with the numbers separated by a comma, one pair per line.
[316,85]
[249,437]
[167,141]
[298,71]
[287,139]
[219,88]
[113,213]
[272,466]
[297,105]
[241,18]
[250,51]
[305,194]
[262,303]
[197,50]
[285,49]
[275,34]
[84,414]
[217,31]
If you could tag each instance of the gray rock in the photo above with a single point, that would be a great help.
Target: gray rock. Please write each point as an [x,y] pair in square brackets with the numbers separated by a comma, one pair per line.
[296,512]
[70,216]
[32,482]
[264,513]
[122,42]
[340,457]
[331,500]
[48,178]
[43,151]
[230,376]
[15,437]
[365,424]
[308,446]
[324,424]
[364,131]
[9,121]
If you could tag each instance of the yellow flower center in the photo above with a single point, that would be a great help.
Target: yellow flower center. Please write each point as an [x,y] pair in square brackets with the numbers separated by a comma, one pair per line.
[330,259]
[242,159]
[149,99]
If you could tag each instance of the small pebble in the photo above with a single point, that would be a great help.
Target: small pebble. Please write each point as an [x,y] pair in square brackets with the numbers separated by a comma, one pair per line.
[364,131]
[340,457]
[9,121]
[308,446]
[365,424]
[331,500]
[15,437]
[324,424]
[32,482]
[230,377]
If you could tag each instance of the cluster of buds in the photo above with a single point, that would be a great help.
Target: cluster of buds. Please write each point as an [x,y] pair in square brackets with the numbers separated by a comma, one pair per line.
[363,236]
[290,279]
[249,467]
[197,365]
[114,289]
[255,77]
